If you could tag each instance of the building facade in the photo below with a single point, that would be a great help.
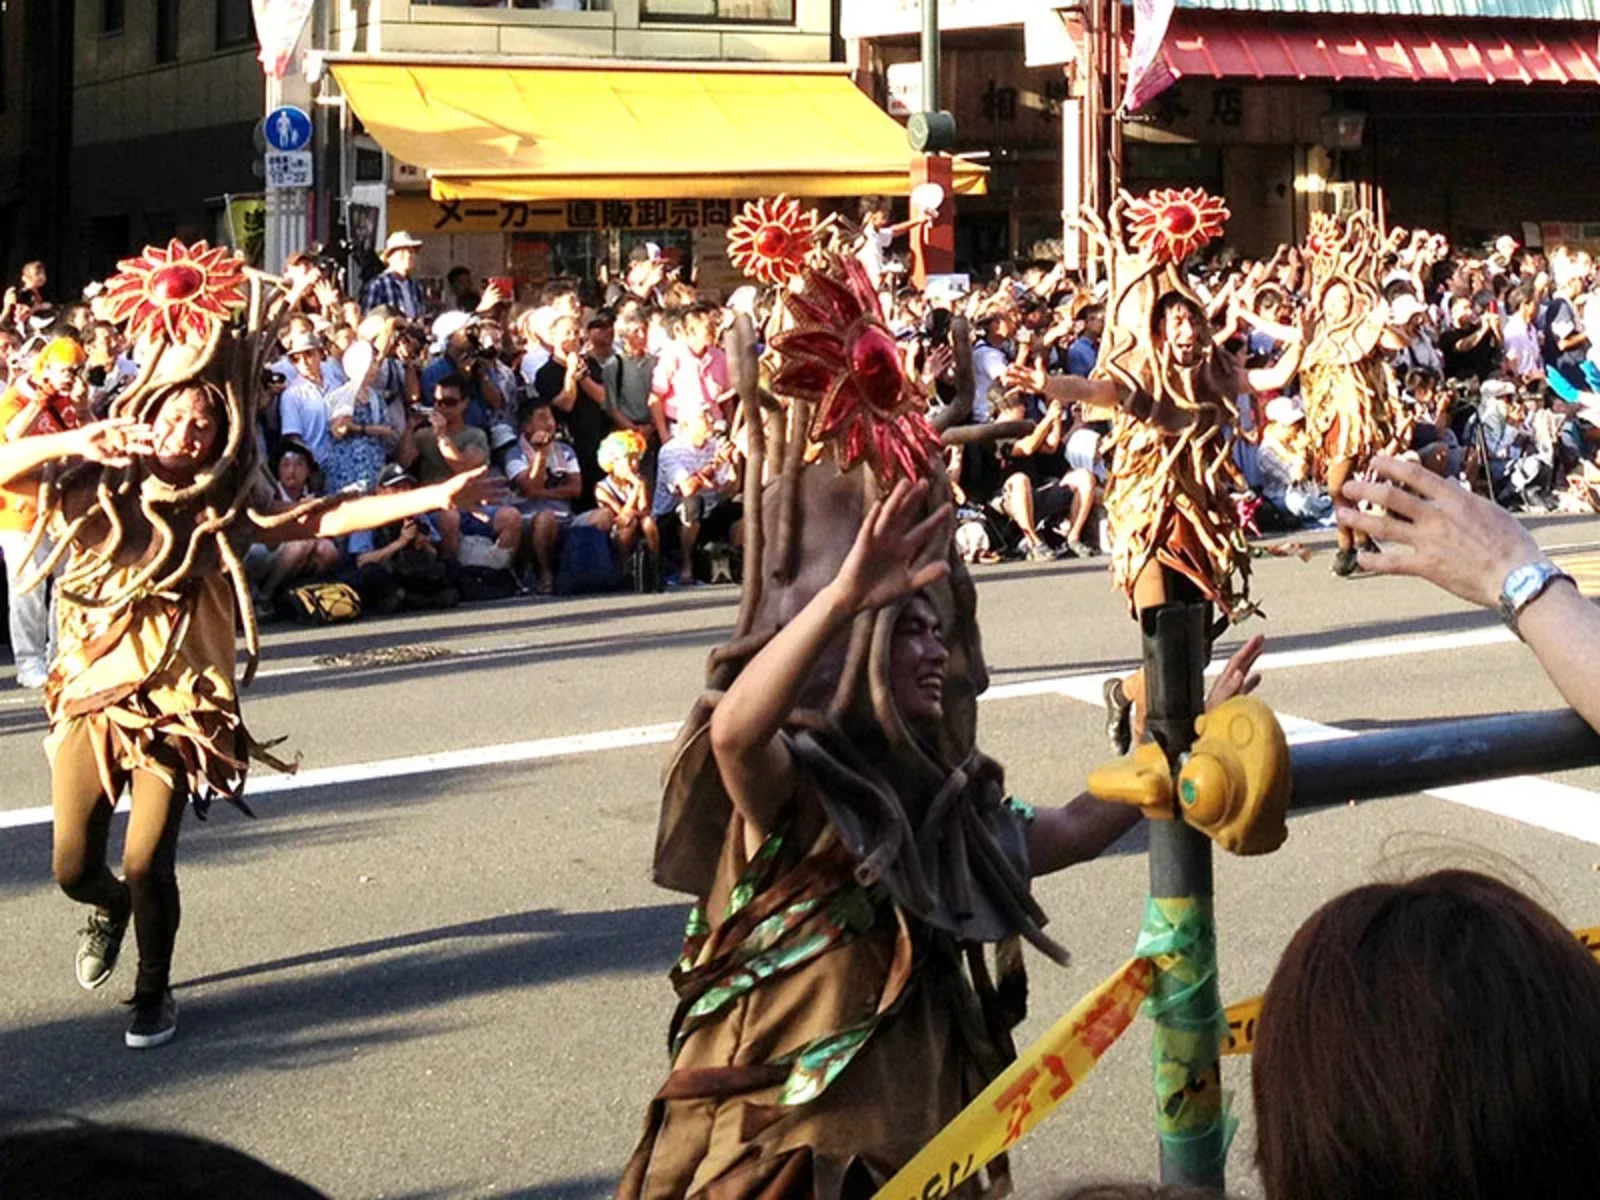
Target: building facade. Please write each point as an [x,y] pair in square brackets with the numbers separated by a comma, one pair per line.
[35,131]
[1474,117]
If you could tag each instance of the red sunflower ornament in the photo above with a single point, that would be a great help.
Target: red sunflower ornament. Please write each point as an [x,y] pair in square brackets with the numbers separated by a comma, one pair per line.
[769,239]
[178,293]
[1169,225]
[841,356]
[1323,237]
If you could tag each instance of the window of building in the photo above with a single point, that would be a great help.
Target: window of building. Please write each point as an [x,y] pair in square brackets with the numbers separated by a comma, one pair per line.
[167,31]
[235,26]
[762,12]
[112,18]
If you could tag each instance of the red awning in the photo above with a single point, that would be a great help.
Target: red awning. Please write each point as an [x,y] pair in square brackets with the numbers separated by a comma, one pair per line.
[1380,49]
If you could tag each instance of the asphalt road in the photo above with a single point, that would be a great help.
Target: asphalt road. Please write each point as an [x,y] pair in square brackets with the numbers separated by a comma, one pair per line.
[441,972]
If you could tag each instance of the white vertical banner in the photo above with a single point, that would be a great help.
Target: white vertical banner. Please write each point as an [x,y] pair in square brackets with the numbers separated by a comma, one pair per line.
[1148,75]
[279,24]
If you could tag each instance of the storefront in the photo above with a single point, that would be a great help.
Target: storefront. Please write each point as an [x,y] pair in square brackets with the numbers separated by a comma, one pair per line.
[1475,120]
[559,169]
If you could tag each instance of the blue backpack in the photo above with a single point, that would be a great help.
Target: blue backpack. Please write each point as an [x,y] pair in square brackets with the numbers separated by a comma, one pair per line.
[587,563]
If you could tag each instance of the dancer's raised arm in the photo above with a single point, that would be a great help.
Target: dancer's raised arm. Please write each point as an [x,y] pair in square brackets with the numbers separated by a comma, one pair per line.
[889,561]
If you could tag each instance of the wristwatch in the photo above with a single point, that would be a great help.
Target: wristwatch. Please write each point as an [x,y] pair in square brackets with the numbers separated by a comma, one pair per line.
[1523,586]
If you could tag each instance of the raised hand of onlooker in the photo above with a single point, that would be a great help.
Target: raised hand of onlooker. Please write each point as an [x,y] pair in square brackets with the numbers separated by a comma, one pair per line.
[895,553]
[327,294]
[1027,377]
[1458,541]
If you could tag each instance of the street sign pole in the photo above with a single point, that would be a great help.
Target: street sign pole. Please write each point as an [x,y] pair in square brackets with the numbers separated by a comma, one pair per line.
[287,207]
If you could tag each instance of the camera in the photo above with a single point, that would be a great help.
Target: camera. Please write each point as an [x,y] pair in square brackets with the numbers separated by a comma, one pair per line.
[273,379]
[936,327]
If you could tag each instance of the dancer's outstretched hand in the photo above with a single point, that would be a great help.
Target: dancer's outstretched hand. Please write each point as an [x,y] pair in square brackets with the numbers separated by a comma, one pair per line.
[474,489]
[1238,678]
[895,554]
[115,443]
[1458,541]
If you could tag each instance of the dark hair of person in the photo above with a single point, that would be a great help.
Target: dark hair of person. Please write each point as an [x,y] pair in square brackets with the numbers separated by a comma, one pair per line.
[556,289]
[456,273]
[73,1161]
[1421,377]
[529,407]
[601,321]
[1432,1039]
[1396,288]
[454,382]
[1516,298]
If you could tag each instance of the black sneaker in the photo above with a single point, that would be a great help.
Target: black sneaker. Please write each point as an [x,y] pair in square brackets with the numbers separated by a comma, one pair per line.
[1119,716]
[1345,564]
[99,944]
[155,1021]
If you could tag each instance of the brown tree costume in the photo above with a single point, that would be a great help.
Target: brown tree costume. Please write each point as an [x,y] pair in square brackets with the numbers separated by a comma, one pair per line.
[835,1005]
[1349,406]
[148,599]
[1169,500]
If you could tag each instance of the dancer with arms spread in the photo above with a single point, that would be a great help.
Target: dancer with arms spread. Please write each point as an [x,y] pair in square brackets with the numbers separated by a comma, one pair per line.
[151,512]
[1172,392]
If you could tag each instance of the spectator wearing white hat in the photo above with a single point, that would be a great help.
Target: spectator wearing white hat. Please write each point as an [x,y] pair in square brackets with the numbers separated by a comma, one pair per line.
[361,437]
[456,352]
[1285,463]
[303,407]
[1408,321]
[394,287]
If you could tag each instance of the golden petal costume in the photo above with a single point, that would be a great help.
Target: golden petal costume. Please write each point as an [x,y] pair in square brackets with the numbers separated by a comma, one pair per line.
[152,584]
[1350,410]
[835,1003]
[1169,500]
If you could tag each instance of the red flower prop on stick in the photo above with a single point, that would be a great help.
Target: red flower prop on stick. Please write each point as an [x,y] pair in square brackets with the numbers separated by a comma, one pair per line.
[769,239]
[179,293]
[841,356]
[1170,225]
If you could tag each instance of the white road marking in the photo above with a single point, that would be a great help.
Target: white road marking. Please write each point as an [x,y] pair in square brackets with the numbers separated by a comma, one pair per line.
[1558,807]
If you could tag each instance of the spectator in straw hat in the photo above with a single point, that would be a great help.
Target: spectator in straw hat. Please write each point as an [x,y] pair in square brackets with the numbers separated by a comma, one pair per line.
[395,287]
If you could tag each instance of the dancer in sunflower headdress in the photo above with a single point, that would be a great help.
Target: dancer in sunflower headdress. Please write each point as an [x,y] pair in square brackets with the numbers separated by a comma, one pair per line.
[853,853]
[1350,407]
[1174,391]
[151,511]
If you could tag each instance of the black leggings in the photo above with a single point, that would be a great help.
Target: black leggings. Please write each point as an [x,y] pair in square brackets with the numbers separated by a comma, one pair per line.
[149,854]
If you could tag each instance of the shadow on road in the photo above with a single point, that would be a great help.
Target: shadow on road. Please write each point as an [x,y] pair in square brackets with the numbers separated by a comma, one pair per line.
[285,1015]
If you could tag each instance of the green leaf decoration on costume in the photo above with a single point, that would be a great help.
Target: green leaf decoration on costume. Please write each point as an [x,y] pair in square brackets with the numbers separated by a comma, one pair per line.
[821,1062]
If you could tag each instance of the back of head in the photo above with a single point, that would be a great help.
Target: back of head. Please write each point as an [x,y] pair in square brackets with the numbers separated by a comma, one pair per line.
[75,1161]
[1439,1038]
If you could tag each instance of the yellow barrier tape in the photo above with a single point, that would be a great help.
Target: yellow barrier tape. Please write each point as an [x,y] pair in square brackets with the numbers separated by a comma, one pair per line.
[1027,1091]
[1242,1016]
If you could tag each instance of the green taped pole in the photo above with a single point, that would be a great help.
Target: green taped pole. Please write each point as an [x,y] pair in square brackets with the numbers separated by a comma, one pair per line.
[1192,1122]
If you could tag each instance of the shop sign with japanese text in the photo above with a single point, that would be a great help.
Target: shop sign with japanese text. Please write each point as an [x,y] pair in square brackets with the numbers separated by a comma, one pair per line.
[426,215]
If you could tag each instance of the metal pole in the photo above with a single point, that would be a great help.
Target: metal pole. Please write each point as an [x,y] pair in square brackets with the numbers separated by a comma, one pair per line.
[1180,931]
[930,56]
[1433,754]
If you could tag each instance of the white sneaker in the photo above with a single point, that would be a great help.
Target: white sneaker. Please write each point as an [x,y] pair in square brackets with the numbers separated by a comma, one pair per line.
[31,675]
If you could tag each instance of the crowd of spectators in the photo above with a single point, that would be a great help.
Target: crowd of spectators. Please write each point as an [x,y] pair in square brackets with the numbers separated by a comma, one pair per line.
[608,409]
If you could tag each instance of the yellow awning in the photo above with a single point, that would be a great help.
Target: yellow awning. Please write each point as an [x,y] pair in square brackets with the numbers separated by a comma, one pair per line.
[601,133]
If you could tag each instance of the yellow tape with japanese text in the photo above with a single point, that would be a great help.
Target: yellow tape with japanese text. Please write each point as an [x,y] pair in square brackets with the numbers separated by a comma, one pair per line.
[1027,1091]
[1242,1016]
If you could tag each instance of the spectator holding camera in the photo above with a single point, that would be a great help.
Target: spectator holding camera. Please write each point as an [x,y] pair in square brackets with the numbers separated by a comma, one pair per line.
[546,478]
[399,568]
[1471,345]
[458,351]
[694,476]
[570,385]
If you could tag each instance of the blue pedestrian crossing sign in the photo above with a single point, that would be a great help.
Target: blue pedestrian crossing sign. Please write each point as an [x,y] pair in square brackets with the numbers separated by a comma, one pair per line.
[287,129]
